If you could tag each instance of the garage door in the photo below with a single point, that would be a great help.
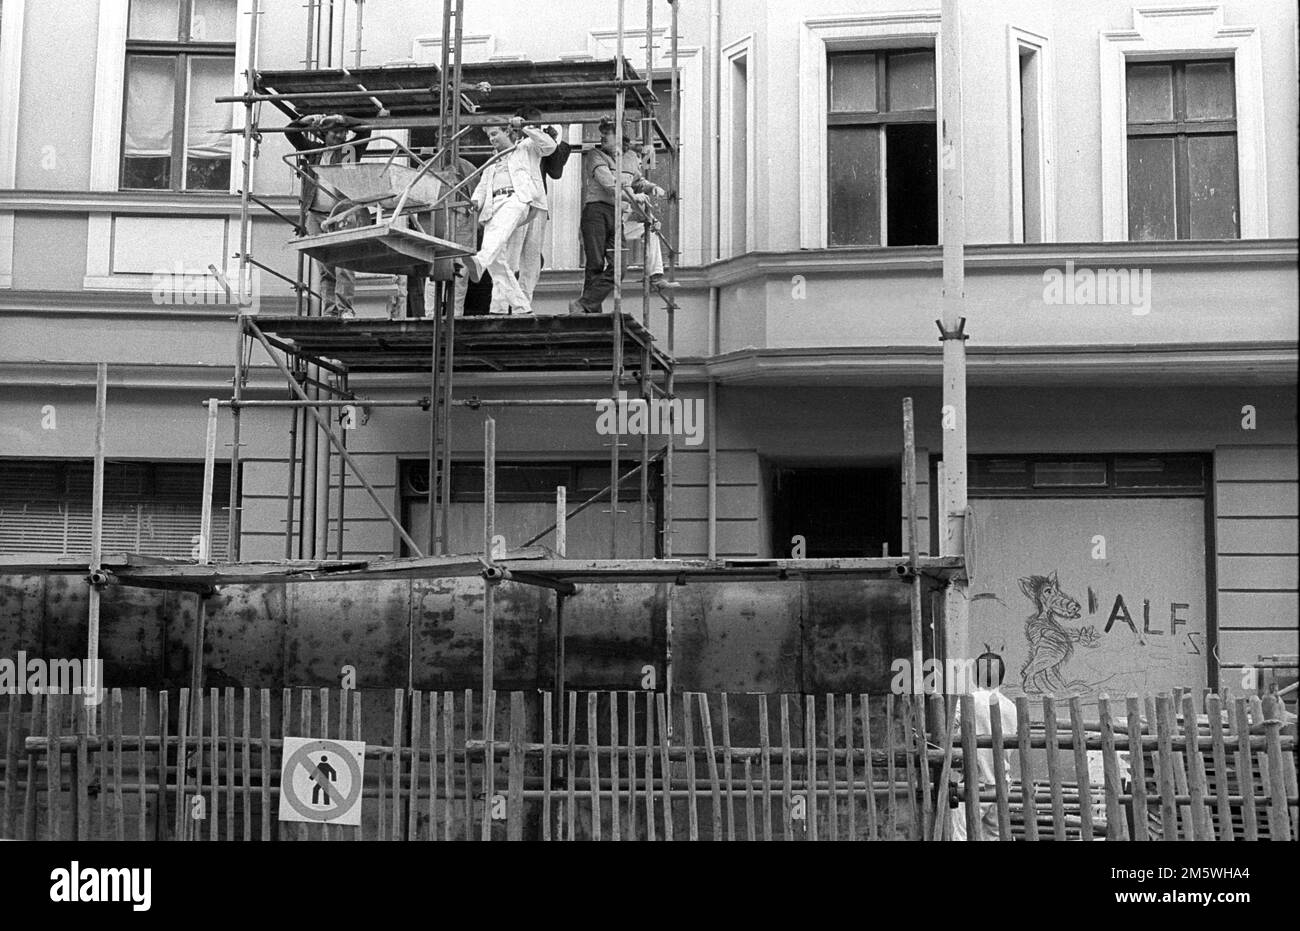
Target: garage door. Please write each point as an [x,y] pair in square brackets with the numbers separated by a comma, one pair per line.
[1088,593]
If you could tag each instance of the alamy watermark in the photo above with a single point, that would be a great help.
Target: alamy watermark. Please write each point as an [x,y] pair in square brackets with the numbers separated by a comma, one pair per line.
[23,676]
[1111,287]
[181,286]
[626,416]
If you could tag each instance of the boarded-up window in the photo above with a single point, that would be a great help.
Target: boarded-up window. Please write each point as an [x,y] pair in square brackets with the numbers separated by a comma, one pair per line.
[882,167]
[153,509]
[1182,151]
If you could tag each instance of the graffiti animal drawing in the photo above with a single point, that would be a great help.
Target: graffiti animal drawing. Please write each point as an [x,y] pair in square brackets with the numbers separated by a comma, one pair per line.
[1050,644]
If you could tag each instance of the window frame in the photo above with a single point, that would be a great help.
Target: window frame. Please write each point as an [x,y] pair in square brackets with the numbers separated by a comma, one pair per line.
[898,31]
[1173,33]
[880,118]
[1178,128]
[180,51]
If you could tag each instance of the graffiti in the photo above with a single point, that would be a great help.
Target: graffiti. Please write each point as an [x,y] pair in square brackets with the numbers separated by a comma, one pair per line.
[1050,644]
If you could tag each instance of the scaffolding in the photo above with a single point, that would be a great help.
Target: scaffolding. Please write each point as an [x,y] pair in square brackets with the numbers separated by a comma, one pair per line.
[316,358]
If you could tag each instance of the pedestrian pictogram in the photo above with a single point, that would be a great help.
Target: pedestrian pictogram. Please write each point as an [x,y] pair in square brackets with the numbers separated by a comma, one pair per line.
[321,780]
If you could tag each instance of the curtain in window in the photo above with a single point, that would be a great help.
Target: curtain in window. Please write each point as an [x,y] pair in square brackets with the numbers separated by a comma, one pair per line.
[213,21]
[155,19]
[150,102]
[209,78]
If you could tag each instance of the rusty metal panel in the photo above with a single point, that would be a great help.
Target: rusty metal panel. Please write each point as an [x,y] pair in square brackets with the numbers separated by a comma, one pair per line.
[852,632]
[736,637]
[359,624]
[1091,594]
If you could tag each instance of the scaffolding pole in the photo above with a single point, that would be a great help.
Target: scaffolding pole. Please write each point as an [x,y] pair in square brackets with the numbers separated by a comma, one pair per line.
[91,678]
[620,98]
[952,327]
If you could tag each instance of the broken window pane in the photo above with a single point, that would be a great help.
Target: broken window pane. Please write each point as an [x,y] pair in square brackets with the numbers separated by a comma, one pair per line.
[853,82]
[1151,201]
[913,184]
[156,20]
[1209,90]
[1150,93]
[910,80]
[853,173]
[1212,184]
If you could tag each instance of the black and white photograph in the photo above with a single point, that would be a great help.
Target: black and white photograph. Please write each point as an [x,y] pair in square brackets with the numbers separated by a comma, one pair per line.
[850,421]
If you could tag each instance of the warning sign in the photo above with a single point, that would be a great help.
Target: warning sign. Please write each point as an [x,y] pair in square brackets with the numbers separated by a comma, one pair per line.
[321,780]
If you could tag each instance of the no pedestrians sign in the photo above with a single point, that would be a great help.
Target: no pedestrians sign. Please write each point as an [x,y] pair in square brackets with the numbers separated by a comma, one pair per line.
[321,780]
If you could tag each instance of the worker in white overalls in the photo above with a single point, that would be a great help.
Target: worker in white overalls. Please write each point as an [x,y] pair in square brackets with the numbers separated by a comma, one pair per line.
[984,695]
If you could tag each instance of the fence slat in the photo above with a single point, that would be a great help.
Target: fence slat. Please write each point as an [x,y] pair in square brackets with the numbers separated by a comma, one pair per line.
[246,751]
[1082,773]
[413,790]
[850,769]
[571,798]
[1138,771]
[593,765]
[727,767]
[358,832]
[832,806]
[650,766]
[433,764]
[1201,827]
[395,772]
[1054,768]
[230,763]
[616,830]
[162,818]
[631,766]
[142,803]
[103,757]
[1026,769]
[81,771]
[970,770]
[1164,739]
[1110,772]
[1221,820]
[304,730]
[665,710]
[890,801]
[922,764]
[706,725]
[11,764]
[1279,819]
[30,798]
[548,769]
[765,746]
[1000,776]
[787,770]
[119,806]
[749,802]
[53,769]
[214,764]
[515,777]
[326,830]
[264,759]
[469,766]
[869,769]
[449,763]
[688,741]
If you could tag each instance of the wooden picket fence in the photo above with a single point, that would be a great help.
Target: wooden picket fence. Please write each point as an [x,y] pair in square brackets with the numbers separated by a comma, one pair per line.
[647,766]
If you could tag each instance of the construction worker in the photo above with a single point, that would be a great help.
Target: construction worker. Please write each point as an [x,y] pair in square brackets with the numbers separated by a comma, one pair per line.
[597,225]
[986,691]
[337,284]
[530,259]
[509,195]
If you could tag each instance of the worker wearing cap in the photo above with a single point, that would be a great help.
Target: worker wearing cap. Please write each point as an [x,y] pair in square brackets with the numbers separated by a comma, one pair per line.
[508,196]
[337,284]
[597,223]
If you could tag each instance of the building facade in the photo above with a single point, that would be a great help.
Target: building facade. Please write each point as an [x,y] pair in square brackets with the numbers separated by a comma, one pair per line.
[1131,298]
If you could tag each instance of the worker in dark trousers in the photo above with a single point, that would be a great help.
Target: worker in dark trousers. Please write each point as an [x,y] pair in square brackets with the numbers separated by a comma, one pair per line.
[337,284]
[599,216]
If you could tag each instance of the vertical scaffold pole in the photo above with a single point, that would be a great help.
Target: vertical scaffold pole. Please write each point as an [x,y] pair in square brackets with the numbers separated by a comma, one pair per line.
[616,366]
[913,544]
[956,603]
[91,678]
[233,522]
[343,468]
[489,531]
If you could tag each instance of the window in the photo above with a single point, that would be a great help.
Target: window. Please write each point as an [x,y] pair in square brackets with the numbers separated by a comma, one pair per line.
[525,496]
[993,476]
[1182,150]
[881,149]
[180,56]
[153,509]
[1031,139]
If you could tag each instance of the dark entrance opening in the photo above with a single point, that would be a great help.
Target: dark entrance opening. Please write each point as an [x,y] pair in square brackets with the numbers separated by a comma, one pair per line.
[838,511]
